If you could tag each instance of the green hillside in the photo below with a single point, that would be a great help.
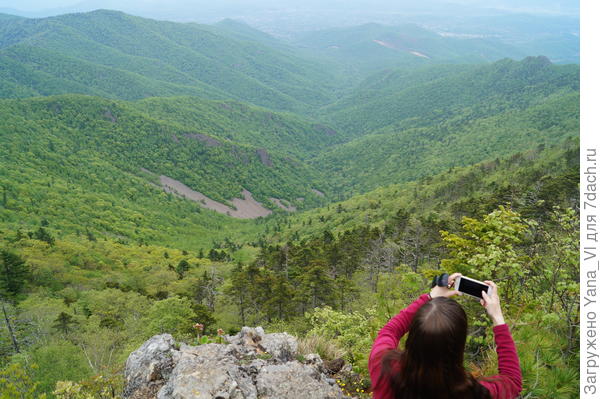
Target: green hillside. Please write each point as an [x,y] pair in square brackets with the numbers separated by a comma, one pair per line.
[284,133]
[406,98]
[90,153]
[155,175]
[406,124]
[99,52]
[361,260]
[533,181]
[398,154]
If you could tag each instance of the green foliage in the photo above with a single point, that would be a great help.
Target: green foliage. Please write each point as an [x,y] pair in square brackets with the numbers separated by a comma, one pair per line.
[16,383]
[107,250]
[64,323]
[121,294]
[105,386]
[557,269]
[353,331]
[182,267]
[397,289]
[172,315]
[283,133]
[203,315]
[13,274]
[60,360]
[109,138]
[43,235]
[70,390]
[424,97]
[65,177]
[420,126]
[487,250]
[533,181]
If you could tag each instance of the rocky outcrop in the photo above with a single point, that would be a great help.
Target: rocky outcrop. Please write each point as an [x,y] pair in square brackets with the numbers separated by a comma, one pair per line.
[264,157]
[148,368]
[203,138]
[251,365]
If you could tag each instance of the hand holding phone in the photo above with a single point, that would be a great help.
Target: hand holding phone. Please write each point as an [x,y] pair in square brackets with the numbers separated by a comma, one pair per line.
[491,303]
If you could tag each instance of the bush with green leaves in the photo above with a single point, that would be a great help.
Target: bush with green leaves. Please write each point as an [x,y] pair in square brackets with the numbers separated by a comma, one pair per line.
[16,383]
[174,315]
[488,249]
[353,331]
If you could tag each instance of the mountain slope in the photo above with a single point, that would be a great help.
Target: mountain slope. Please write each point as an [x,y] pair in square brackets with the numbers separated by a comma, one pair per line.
[285,133]
[169,58]
[404,154]
[372,47]
[532,181]
[107,160]
[432,95]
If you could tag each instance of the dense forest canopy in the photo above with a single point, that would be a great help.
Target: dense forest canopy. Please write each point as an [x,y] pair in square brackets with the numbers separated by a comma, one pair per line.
[158,175]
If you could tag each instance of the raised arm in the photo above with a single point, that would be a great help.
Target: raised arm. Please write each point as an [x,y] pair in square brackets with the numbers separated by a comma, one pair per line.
[509,382]
[389,336]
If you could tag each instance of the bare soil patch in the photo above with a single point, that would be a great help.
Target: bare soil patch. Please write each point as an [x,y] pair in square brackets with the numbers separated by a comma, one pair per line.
[289,207]
[246,208]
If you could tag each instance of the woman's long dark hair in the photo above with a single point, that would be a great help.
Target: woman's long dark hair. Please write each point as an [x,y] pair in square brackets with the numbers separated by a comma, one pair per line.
[431,366]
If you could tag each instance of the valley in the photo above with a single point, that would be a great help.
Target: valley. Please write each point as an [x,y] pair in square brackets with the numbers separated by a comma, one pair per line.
[158,174]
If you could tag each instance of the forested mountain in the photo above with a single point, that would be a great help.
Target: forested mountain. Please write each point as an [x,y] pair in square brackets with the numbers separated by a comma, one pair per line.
[156,175]
[533,182]
[372,47]
[414,98]
[115,55]
[77,147]
[421,122]
[284,133]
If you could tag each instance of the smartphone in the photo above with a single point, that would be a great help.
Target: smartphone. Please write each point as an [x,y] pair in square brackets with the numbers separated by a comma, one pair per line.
[471,287]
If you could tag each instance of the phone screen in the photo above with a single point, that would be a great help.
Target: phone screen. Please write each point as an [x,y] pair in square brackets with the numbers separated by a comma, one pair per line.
[472,287]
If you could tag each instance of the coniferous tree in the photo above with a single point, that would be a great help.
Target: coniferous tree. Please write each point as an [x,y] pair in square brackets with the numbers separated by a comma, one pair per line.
[43,235]
[316,286]
[238,291]
[13,274]
[182,267]
[282,295]
[64,323]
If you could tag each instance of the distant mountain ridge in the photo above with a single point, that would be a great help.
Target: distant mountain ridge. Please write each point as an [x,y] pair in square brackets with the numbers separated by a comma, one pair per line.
[405,124]
[372,47]
[397,96]
[87,52]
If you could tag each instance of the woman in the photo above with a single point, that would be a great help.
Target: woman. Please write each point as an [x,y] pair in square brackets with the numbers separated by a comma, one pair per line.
[431,366]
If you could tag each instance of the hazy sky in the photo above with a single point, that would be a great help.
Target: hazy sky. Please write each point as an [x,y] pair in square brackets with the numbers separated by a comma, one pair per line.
[285,18]
[39,5]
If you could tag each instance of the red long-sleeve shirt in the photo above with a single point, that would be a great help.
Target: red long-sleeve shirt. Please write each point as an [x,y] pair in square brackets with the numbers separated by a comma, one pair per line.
[506,385]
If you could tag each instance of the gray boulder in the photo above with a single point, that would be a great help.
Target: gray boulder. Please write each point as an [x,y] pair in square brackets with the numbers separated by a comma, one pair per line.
[148,368]
[294,380]
[251,365]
